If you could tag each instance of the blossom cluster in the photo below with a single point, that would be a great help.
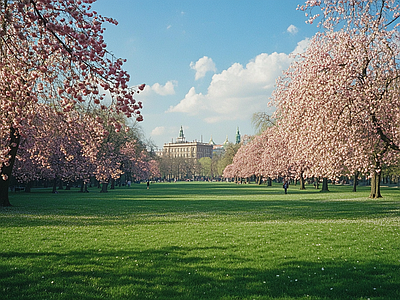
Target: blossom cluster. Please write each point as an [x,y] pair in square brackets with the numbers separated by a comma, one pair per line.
[338,109]
[54,52]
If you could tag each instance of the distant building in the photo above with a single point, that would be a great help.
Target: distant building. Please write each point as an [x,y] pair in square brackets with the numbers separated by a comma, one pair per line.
[217,149]
[195,149]
[185,149]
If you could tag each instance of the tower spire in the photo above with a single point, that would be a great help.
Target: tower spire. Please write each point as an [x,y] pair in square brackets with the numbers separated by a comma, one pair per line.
[181,137]
[237,136]
[211,142]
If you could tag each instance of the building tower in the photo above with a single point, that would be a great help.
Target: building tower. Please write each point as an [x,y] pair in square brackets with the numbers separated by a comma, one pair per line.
[226,142]
[211,142]
[237,136]
[181,137]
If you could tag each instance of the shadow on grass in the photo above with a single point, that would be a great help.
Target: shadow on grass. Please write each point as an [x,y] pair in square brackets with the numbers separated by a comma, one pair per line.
[180,273]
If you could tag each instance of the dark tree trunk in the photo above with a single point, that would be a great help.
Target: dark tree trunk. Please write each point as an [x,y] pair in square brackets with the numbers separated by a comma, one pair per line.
[104,187]
[60,184]
[302,183]
[82,184]
[6,170]
[376,177]
[355,182]
[269,181]
[68,186]
[4,193]
[112,187]
[54,191]
[325,185]
[28,187]
[375,185]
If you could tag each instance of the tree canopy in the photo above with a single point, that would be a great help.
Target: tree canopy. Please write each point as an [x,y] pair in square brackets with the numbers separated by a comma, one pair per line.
[54,53]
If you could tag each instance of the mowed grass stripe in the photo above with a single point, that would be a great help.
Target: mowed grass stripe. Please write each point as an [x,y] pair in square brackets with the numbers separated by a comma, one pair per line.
[201,241]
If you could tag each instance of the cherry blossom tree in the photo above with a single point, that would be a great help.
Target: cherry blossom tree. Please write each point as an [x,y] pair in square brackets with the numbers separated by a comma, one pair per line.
[54,52]
[59,147]
[108,166]
[279,157]
[247,160]
[154,169]
[121,151]
[230,171]
[341,96]
[26,170]
[136,161]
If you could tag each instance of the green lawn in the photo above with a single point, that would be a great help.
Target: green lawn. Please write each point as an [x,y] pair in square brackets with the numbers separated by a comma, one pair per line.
[201,241]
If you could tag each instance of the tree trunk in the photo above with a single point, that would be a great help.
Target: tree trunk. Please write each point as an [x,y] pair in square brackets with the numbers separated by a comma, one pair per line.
[6,170]
[28,186]
[112,187]
[104,187]
[269,181]
[84,187]
[355,182]
[60,185]
[4,193]
[302,183]
[325,185]
[375,185]
[54,191]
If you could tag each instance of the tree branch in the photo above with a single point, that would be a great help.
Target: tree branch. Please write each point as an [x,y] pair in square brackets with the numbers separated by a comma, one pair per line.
[389,143]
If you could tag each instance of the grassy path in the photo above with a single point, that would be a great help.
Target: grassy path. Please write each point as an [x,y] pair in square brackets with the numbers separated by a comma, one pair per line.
[201,241]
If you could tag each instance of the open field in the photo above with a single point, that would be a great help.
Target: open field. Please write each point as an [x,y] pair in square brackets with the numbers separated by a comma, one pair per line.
[201,241]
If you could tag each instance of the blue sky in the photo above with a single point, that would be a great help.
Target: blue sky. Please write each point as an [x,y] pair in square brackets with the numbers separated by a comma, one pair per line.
[208,64]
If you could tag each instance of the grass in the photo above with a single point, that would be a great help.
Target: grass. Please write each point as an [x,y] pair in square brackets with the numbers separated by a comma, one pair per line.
[201,241]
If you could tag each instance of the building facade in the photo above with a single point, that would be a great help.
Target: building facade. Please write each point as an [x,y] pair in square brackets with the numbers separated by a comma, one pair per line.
[187,150]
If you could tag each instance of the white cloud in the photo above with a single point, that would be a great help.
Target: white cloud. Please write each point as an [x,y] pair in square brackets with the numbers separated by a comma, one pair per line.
[292,29]
[167,89]
[302,46]
[202,66]
[191,104]
[162,90]
[160,130]
[239,91]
